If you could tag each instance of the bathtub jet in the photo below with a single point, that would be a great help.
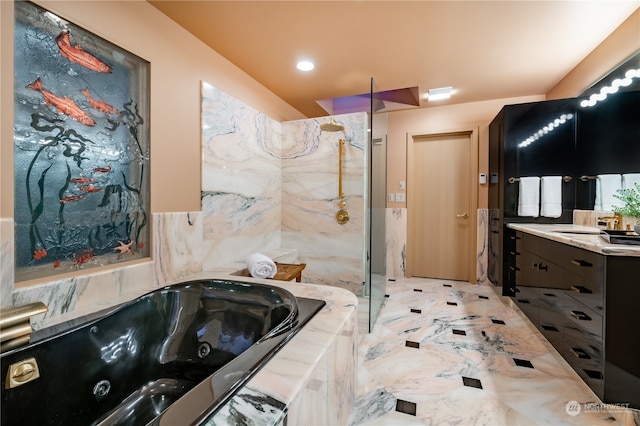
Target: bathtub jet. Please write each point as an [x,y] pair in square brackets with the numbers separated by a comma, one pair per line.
[172,356]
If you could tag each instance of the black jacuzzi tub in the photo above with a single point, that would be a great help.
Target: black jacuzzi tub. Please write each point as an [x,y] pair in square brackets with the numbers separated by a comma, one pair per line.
[170,357]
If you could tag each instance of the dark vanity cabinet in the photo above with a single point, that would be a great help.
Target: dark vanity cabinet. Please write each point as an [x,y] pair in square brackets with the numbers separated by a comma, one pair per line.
[585,304]
[584,142]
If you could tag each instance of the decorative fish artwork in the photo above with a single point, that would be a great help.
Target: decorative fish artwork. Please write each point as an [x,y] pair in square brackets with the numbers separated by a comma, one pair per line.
[63,105]
[78,55]
[100,105]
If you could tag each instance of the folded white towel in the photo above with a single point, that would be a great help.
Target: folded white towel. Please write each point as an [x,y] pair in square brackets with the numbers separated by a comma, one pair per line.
[551,196]
[630,179]
[261,266]
[529,196]
[606,187]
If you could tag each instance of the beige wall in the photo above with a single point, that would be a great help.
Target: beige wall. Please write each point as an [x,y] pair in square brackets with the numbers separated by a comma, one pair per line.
[436,119]
[179,62]
[615,49]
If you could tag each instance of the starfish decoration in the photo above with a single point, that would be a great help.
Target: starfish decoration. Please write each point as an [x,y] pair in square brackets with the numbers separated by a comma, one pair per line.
[123,248]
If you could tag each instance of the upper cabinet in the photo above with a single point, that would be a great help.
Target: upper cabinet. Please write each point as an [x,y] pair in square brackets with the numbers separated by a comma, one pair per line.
[578,139]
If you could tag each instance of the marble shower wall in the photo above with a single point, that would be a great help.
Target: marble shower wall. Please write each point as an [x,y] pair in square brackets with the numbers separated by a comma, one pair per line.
[334,253]
[241,180]
[268,186]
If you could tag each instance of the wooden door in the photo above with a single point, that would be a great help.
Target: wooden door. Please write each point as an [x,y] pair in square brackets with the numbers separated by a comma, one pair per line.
[441,205]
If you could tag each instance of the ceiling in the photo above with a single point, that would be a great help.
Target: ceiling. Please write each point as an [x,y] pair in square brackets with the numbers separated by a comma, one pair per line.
[483,49]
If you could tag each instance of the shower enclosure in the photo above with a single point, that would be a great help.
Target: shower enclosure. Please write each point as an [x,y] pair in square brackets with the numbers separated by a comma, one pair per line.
[375,265]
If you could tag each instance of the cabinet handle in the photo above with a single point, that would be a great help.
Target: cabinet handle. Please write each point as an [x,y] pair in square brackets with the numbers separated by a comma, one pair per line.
[580,316]
[514,253]
[580,289]
[580,353]
[542,267]
[579,262]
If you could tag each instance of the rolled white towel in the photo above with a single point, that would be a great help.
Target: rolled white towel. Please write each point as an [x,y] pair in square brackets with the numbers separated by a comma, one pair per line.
[261,266]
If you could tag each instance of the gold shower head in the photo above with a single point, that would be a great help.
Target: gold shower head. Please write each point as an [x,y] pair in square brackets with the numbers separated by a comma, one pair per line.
[332,126]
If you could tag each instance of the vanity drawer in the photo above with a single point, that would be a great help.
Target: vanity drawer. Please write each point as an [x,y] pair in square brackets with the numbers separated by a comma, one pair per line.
[584,263]
[585,357]
[586,291]
[584,318]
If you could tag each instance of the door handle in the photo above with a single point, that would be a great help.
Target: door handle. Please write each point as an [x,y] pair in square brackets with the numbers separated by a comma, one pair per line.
[463,216]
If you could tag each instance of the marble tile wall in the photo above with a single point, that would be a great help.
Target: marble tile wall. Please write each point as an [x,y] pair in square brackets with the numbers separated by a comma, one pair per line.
[6,262]
[396,242]
[241,180]
[177,245]
[482,248]
[333,253]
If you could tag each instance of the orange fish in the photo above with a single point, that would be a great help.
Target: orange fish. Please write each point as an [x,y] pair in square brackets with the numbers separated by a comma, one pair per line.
[99,105]
[81,180]
[90,188]
[56,263]
[102,169]
[63,105]
[78,55]
[71,198]
[39,254]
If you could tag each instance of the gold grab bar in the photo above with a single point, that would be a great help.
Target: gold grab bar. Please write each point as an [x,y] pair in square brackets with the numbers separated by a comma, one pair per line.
[340,148]
[18,314]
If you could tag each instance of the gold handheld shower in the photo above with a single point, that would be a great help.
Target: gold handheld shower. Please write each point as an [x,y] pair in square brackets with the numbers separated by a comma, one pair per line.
[342,216]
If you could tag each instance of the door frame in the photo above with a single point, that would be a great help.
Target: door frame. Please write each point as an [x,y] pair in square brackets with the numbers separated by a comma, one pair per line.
[472,238]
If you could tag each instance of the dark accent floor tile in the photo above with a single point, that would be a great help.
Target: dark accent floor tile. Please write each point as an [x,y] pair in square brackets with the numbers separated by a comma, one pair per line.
[391,279]
[447,285]
[411,344]
[406,407]
[452,303]
[523,363]
[549,327]
[386,295]
[472,383]
[459,332]
[416,311]
[483,297]
[418,289]
[497,321]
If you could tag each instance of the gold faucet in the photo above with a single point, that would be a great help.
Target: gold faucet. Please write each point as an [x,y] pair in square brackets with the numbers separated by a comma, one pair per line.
[613,222]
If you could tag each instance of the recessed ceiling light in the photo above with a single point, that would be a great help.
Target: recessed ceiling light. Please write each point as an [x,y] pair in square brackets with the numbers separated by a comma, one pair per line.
[439,93]
[305,65]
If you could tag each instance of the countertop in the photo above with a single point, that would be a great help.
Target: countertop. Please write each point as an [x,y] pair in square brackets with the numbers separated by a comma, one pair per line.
[583,237]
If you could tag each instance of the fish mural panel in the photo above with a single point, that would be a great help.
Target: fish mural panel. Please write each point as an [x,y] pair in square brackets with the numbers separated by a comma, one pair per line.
[81,148]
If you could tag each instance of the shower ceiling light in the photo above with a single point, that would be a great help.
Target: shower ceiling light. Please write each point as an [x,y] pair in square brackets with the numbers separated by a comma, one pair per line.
[439,94]
[305,65]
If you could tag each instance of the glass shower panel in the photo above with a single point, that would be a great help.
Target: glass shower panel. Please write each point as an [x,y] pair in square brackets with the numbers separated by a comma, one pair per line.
[376,185]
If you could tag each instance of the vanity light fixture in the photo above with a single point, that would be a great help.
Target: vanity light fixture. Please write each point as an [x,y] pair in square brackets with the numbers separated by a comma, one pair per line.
[305,65]
[546,129]
[613,88]
[438,94]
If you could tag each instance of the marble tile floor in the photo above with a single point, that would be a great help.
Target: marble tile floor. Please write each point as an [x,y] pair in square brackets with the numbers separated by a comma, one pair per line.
[453,353]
